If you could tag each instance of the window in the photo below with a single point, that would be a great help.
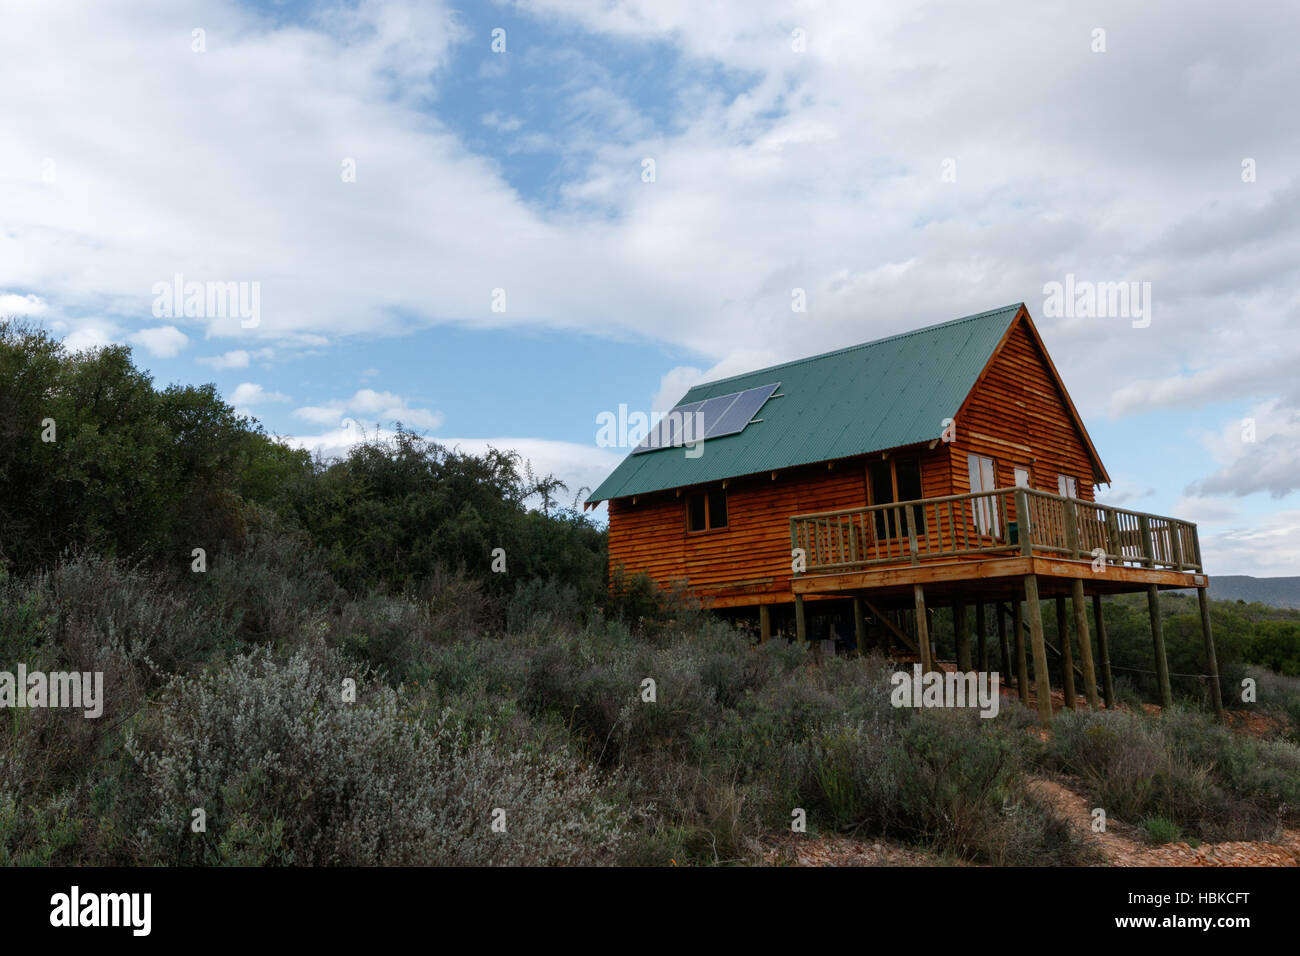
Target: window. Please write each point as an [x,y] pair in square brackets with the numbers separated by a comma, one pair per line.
[898,479]
[706,510]
[1066,487]
[1022,477]
[982,478]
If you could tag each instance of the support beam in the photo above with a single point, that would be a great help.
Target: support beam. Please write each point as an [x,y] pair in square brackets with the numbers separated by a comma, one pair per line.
[981,644]
[961,636]
[1022,665]
[1158,645]
[800,620]
[1006,666]
[922,629]
[1042,685]
[1085,643]
[859,626]
[904,638]
[764,623]
[1212,663]
[1067,656]
[1103,654]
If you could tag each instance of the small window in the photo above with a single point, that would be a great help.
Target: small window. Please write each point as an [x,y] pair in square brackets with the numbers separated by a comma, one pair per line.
[717,508]
[696,519]
[706,511]
[1022,477]
[1066,487]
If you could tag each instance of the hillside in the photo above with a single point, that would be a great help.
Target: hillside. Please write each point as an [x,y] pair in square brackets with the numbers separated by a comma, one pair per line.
[1275,592]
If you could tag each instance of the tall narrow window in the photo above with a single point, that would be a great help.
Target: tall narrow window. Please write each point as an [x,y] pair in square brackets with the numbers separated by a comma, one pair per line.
[982,479]
[880,480]
[1066,486]
[908,472]
[1022,477]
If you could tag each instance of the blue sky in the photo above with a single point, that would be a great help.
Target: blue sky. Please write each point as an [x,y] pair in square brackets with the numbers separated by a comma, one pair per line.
[896,174]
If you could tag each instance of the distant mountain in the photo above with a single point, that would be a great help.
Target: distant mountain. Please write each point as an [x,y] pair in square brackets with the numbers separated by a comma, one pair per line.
[1276,592]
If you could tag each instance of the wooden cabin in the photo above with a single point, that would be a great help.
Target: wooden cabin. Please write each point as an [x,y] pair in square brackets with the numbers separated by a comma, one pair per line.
[851,493]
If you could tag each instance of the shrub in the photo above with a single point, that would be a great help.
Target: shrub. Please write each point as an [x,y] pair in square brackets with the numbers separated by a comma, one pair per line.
[289,773]
[1160,830]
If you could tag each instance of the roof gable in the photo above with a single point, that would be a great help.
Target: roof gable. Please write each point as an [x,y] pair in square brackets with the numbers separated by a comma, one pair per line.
[883,394]
[1099,473]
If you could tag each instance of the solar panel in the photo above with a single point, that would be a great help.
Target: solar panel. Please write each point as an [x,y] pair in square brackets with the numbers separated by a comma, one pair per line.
[675,428]
[711,418]
[740,412]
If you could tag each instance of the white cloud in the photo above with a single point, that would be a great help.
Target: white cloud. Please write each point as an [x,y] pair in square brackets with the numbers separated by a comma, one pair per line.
[14,304]
[580,467]
[165,341]
[88,335]
[502,124]
[384,408]
[237,358]
[1260,452]
[675,383]
[1270,547]
[250,393]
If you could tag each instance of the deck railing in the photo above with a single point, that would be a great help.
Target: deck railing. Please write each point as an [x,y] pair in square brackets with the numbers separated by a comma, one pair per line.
[1009,520]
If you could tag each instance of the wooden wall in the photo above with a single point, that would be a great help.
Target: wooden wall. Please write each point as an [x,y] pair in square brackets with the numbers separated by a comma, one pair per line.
[1017,416]
[748,562]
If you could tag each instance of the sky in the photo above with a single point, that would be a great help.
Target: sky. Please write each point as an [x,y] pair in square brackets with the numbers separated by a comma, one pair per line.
[493,222]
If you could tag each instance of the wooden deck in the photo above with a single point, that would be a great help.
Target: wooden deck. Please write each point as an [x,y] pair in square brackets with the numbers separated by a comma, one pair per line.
[993,579]
[986,542]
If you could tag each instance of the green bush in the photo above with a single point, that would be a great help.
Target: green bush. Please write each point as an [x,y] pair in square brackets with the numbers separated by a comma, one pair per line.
[287,771]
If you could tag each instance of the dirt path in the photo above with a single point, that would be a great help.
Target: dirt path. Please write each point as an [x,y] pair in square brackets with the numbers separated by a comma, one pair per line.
[1122,845]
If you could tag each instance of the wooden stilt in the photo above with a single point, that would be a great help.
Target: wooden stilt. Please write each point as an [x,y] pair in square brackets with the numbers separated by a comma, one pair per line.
[961,636]
[1067,656]
[1103,654]
[859,626]
[1042,685]
[800,620]
[1212,663]
[922,629]
[1022,665]
[1005,664]
[980,643]
[764,623]
[1085,643]
[1158,644]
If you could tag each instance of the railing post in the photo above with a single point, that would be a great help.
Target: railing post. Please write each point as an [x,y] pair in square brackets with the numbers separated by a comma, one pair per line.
[794,544]
[1114,544]
[1148,543]
[1071,527]
[911,535]
[1176,540]
[1022,522]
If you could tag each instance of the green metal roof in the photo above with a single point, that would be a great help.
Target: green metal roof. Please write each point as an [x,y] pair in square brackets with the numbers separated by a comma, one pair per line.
[884,394]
